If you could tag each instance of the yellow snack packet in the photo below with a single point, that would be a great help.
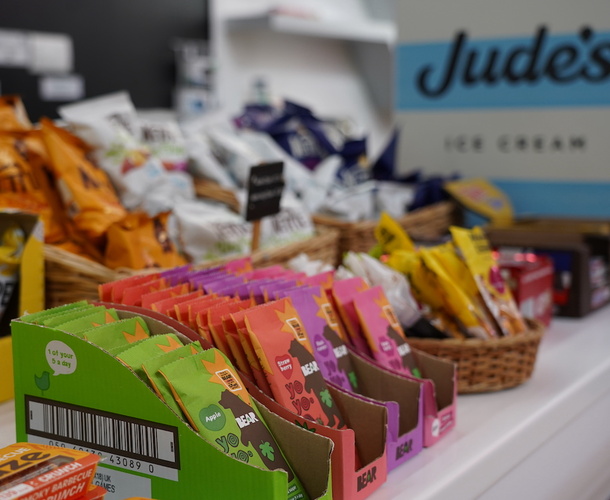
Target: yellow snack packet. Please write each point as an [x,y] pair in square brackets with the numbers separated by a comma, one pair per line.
[465,311]
[482,197]
[86,192]
[497,296]
[391,236]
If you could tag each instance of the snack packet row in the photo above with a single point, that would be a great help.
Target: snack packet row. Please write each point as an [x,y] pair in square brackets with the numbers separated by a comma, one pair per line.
[252,318]
[199,385]
[457,284]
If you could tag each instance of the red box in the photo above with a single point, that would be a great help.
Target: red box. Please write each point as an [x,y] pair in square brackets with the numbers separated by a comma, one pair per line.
[530,278]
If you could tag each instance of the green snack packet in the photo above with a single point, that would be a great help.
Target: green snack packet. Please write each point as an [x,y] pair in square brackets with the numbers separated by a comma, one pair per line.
[148,348]
[37,317]
[89,320]
[157,382]
[218,406]
[119,333]
[76,313]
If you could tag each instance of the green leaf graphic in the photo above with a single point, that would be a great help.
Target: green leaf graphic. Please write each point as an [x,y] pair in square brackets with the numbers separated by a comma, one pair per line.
[305,426]
[267,450]
[326,398]
[44,381]
[353,380]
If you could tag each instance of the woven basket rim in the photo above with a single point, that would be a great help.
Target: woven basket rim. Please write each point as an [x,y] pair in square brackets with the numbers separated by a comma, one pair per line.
[535,331]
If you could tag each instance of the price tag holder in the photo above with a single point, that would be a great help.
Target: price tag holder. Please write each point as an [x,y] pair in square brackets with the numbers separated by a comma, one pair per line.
[265,188]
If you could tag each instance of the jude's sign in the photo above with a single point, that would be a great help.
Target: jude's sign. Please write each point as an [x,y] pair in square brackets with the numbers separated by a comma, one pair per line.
[516,91]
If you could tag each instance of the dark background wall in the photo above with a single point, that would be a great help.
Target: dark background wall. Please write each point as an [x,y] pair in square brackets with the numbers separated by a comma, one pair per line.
[118,45]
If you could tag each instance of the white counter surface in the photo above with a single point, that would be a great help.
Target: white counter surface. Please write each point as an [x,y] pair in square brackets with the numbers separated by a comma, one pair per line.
[546,439]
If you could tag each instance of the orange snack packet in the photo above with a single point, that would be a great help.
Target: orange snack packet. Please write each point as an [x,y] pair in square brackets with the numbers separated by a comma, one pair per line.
[86,192]
[13,116]
[140,242]
[25,186]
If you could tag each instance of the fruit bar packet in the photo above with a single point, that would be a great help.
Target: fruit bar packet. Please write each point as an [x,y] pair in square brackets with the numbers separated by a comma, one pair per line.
[265,272]
[177,275]
[113,290]
[150,367]
[383,332]
[181,308]
[220,409]
[497,296]
[329,350]
[258,374]
[118,334]
[343,292]
[202,318]
[55,321]
[215,326]
[132,296]
[148,348]
[211,286]
[324,279]
[200,310]
[166,306]
[239,266]
[173,291]
[37,317]
[286,356]
[89,320]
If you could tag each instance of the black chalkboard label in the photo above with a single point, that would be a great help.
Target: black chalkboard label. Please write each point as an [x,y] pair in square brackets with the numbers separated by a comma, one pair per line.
[265,187]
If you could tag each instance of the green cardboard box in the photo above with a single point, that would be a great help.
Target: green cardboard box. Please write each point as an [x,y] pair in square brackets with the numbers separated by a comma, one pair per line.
[71,393]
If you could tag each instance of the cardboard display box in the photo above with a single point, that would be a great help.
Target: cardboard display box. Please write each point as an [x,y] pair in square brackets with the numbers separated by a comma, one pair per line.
[358,461]
[29,294]
[171,460]
[530,279]
[580,251]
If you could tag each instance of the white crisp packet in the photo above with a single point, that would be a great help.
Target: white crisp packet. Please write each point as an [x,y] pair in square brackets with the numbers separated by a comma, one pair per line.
[165,140]
[394,197]
[292,223]
[352,204]
[205,231]
[394,284]
[303,264]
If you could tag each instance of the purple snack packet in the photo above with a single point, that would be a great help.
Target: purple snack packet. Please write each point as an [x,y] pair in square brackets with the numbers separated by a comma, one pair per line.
[329,350]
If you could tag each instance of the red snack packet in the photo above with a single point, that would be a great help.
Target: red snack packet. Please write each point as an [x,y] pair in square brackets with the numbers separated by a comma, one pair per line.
[113,290]
[148,299]
[286,356]
[166,306]
[132,296]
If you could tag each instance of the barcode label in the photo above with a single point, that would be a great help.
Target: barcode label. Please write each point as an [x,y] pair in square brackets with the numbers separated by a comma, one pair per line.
[127,442]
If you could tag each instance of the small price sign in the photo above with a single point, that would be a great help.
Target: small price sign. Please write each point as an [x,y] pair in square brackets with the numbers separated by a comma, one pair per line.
[265,188]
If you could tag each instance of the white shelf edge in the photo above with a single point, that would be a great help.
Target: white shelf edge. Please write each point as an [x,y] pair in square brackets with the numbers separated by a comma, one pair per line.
[383,32]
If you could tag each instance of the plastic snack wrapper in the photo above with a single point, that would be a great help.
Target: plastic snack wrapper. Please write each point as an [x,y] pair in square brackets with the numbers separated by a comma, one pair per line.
[139,241]
[24,183]
[496,294]
[205,231]
[395,285]
[218,406]
[165,140]
[86,192]
[12,242]
[111,125]
[13,116]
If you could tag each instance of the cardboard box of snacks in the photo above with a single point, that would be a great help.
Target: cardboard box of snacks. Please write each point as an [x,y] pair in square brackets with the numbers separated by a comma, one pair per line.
[70,392]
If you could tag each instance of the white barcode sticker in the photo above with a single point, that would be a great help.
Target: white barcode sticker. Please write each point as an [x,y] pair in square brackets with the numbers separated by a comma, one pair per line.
[128,443]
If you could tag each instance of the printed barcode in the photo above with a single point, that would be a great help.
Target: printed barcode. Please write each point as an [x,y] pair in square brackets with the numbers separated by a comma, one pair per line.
[110,432]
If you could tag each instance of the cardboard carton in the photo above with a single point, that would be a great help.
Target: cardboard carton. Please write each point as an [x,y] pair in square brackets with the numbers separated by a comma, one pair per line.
[29,295]
[90,400]
[358,460]
[580,251]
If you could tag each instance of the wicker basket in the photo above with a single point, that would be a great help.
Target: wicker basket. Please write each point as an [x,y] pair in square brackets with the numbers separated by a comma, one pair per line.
[488,365]
[428,223]
[69,277]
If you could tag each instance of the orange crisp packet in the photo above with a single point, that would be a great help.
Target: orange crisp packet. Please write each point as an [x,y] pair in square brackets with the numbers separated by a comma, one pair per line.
[13,116]
[139,242]
[86,192]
